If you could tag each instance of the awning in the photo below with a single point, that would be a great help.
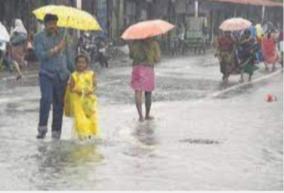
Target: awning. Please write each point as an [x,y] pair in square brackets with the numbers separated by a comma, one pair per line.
[253,2]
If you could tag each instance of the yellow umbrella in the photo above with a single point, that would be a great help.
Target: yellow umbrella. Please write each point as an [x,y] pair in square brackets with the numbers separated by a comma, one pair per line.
[259,30]
[69,17]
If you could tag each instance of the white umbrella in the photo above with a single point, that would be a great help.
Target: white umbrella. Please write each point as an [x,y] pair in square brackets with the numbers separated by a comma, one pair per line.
[4,35]
[235,24]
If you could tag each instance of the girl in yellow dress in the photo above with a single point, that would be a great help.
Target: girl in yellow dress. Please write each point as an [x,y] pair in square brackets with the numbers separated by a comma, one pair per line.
[80,101]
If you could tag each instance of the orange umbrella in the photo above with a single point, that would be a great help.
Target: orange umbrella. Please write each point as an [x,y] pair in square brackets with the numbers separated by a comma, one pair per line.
[235,24]
[146,29]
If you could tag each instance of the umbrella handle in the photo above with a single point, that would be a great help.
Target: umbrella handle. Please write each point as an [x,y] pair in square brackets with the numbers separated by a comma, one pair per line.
[65,30]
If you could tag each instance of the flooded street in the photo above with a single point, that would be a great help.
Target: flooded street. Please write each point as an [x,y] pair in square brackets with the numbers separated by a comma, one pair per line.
[203,137]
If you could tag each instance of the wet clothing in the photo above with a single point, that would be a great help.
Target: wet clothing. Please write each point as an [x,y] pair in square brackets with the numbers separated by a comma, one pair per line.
[269,50]
[226,55]
[56,64]
[18,53]
[225,43]
[227,62]
[82,108]
[153,52]
[253,31]
[145,54]
[6,61]
[52,92]
[8,57]
[18,42]
[246,52]
[137,53]
[143,78]
[53,76]
[30,55]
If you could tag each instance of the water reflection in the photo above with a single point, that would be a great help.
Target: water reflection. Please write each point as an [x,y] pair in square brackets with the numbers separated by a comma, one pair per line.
[145,133]
[67,162]
[68,153]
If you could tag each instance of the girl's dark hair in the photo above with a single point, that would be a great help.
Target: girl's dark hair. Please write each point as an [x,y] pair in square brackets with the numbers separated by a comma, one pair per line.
[82,56]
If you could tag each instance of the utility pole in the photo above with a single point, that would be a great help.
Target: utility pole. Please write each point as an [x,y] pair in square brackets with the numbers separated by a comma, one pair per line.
[263,13]
[79,6]
[196,8]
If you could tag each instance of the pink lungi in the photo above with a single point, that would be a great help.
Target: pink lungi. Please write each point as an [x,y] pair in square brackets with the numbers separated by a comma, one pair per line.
[143,78]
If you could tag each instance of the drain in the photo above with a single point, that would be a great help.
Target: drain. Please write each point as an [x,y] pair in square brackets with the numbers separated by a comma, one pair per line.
[200,141]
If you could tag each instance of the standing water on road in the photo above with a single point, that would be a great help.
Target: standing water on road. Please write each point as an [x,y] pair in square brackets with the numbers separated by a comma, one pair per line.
[233,141]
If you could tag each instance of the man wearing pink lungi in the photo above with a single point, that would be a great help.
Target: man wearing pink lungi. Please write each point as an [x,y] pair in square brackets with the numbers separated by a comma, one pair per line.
[145,54]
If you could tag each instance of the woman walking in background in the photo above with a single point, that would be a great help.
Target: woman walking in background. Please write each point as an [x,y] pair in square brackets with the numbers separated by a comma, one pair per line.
[7,61]
[145,54]
[226,55]
[18,42]
[269,51]
[247,48]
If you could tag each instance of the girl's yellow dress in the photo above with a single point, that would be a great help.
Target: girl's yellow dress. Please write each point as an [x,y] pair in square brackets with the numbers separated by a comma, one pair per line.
[83,108]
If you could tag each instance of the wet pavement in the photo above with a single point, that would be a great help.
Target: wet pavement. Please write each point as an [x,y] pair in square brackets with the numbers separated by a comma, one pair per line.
[204,136]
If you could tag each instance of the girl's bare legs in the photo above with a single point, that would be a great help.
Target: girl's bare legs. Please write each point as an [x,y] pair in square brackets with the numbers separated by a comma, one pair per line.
[148,103]
[138,101]
[19,73]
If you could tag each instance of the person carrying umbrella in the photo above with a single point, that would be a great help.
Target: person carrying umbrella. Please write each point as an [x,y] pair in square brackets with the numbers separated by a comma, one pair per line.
[49,46]
[145,53]
[244,55]
[226,54]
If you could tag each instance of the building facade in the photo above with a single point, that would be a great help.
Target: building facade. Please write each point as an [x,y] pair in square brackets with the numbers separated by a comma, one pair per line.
[116,15]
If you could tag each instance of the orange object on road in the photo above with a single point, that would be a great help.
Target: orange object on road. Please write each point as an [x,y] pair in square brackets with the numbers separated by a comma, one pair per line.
[147,29]
[271,98]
